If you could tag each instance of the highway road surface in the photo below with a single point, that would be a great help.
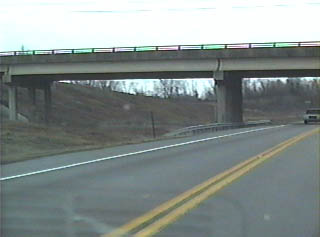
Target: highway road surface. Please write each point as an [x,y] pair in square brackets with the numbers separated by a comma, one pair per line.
[278,196]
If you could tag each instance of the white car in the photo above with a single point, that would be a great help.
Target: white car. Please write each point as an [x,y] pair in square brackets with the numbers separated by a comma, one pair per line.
[312,115]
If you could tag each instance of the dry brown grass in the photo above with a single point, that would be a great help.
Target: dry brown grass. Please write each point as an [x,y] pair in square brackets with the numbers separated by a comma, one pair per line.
[20,141]
[88,118]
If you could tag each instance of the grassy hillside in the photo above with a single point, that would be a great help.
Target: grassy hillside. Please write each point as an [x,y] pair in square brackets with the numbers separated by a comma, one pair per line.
[84,117]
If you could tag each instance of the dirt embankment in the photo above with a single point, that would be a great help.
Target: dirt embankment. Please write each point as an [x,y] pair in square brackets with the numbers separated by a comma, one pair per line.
[87,118]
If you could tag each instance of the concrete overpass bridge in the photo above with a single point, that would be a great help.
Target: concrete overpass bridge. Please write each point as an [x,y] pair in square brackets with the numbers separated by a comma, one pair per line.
[226,63]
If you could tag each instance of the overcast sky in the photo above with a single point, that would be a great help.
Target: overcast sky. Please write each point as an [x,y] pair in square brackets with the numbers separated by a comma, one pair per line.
[51,24]
[54,24]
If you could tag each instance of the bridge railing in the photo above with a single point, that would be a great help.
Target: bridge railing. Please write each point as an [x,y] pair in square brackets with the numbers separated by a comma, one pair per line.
[163,48]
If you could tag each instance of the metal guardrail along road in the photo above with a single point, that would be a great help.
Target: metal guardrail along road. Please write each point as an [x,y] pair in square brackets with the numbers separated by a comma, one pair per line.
[215,127]
[163,48]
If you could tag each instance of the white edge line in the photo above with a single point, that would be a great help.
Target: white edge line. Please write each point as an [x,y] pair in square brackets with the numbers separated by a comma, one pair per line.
[133,153]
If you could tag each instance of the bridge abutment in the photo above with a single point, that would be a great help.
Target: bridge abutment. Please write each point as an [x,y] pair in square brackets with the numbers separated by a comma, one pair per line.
[229,97]
[32,86]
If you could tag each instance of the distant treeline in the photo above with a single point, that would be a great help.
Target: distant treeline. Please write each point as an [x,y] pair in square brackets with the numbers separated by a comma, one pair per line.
[285,94]
[269,93]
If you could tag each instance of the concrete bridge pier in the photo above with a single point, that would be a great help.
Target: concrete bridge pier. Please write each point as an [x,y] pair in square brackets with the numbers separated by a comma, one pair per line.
[13,99]
[32,86]
[229,97]
[32,94]
[47,102]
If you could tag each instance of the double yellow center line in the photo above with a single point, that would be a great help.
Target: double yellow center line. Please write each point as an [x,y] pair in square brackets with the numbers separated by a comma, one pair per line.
[153,221]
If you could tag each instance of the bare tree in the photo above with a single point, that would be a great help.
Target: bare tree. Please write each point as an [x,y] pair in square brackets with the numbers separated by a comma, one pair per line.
[165,88]
[194,89]
[103,84]
[115,85]
[210,91]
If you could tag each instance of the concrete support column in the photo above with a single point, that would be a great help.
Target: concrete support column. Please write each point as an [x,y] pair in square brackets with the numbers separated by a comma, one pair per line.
[13,113]
[47,102]
[32,94]
[229,97]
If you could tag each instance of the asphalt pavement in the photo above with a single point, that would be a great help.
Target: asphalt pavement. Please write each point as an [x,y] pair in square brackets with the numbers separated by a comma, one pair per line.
[279,198]
[93,199]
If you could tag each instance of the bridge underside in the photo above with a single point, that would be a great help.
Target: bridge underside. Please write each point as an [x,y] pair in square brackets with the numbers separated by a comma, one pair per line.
[40,79]
[229,86]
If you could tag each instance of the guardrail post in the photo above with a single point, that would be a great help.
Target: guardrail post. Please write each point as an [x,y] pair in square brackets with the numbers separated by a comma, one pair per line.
[153,126]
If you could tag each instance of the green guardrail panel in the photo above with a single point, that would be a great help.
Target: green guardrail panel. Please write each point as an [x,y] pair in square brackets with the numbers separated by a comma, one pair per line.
[147,48]
[29,52]
[279,45]
[214,46]
[82,50]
